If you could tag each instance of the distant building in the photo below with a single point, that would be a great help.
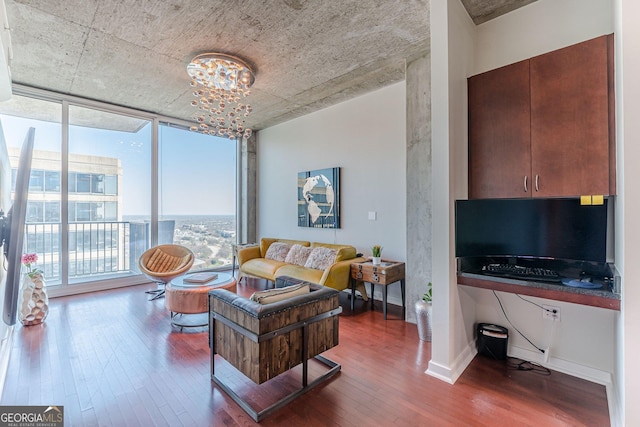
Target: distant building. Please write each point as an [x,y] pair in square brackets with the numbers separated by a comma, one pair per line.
[93,187]
[98,240]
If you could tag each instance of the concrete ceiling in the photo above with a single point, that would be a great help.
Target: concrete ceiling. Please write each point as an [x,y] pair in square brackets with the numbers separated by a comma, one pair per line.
[309,54]
[484,10]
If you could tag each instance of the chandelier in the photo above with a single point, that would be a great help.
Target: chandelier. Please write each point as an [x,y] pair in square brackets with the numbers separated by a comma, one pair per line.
[220,84]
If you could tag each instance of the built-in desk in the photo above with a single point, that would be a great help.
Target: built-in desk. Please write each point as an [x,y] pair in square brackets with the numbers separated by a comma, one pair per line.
[593,297]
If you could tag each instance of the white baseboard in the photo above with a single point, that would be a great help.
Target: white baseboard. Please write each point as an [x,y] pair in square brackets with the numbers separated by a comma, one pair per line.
[451,375]
[615,407]
[54,292]
[440,372]
[571,368]
[580,371]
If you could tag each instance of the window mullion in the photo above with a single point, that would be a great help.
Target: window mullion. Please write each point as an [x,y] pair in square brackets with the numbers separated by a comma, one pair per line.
[64,197]
[155,131]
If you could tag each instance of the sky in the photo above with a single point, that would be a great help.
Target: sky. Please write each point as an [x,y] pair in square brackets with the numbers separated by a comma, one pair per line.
[197,172]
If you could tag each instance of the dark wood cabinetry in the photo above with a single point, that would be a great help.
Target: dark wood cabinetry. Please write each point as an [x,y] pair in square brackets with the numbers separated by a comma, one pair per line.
[499,133]
[544,127]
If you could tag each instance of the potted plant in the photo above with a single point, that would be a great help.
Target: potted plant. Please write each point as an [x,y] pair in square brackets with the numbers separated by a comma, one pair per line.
[423,315]
[376,252]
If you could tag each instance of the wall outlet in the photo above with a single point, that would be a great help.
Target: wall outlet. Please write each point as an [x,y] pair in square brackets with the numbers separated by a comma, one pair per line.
[551,312]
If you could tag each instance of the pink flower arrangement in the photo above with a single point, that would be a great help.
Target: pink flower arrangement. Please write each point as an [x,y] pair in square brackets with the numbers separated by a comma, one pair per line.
[28,260]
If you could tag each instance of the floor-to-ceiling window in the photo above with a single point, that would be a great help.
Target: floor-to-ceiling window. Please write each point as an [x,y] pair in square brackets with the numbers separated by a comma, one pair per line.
[109,207]
[42,223]
[197,194]
[91,210]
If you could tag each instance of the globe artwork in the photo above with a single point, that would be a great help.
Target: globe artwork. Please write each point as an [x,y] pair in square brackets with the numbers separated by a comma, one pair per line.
[318,198]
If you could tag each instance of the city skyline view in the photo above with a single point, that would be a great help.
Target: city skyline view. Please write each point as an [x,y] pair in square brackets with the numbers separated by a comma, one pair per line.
[109,191]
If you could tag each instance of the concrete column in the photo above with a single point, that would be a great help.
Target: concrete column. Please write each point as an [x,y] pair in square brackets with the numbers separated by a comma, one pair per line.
[419,198]
[247,191]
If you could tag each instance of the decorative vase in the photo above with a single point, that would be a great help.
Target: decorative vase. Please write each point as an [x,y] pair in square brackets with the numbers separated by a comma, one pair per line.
[376,260]
[33,303]
[423,319]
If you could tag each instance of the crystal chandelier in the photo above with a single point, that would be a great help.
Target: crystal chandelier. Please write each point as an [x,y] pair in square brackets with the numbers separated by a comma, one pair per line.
[220,83]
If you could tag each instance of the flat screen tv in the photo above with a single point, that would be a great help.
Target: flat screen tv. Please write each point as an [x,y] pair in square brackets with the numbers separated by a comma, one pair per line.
[531,228]
[12,235]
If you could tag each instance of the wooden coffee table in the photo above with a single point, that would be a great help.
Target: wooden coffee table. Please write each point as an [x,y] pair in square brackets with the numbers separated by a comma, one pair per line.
[183,298]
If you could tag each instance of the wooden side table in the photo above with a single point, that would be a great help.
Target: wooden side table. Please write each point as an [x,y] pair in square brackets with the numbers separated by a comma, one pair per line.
[385,274]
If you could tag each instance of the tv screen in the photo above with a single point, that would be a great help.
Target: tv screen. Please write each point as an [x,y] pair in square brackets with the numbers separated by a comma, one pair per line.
[13,229]
[536,228]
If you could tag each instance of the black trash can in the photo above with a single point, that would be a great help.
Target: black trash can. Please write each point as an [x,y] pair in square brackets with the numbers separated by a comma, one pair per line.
[492,340]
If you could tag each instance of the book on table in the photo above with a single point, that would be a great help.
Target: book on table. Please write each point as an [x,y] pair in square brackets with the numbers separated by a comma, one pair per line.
[203,277]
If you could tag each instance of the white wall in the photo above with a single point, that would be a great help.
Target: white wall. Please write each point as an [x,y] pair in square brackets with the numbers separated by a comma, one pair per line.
[581,344]
[628,134]
[619,378]
[540,27]
[571,21]
[461,37]
[453,312]
[537,28]
[366,137]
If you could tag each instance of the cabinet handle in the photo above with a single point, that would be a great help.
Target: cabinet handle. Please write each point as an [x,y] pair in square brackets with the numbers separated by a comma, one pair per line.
[525,183]
[537,182]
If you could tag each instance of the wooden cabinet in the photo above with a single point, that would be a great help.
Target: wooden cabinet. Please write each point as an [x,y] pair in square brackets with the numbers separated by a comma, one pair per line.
[499,135]
[544,127]
[570,120]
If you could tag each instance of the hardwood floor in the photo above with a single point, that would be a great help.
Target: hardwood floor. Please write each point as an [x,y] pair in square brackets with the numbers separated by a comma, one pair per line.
[113,359]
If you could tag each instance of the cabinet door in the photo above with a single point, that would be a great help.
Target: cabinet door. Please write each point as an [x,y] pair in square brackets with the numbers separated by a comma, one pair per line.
[570,120]
[499,136]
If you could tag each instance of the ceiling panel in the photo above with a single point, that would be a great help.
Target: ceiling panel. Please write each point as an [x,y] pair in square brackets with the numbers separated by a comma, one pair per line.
[309,54]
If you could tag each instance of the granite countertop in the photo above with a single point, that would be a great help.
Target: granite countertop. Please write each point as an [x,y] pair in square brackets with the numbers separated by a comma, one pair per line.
[602,292]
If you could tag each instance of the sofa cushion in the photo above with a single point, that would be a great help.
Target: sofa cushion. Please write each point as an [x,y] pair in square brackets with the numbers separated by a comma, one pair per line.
[298,255]
[343,252]
[161,262]
[300,273]
[261,267]
[274,295]
[321,258]
[278,251]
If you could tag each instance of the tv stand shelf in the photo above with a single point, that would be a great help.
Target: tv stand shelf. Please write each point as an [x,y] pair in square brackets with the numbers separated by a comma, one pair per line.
[592,297]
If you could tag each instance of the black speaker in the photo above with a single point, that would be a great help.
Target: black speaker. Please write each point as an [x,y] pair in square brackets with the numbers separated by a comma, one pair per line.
[492,340]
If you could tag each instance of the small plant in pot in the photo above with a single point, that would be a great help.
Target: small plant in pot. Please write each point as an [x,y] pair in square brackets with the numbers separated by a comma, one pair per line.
[376,252]
[424,314]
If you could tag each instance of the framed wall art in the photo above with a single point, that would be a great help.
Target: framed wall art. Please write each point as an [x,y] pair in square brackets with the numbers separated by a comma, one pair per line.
[319,198]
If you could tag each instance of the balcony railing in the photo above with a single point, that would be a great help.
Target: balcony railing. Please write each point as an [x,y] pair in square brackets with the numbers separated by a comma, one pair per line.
[100,250]
[95,248]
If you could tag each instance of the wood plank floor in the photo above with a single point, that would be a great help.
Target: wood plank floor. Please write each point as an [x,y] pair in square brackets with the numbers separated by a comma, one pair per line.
[112,358]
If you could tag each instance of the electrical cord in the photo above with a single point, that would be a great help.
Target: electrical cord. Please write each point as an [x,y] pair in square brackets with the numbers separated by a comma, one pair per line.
[523,365]
[516,329]
[536,304]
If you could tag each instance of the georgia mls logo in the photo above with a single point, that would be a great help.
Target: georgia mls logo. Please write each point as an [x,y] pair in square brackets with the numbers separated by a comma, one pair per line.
[31,416]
